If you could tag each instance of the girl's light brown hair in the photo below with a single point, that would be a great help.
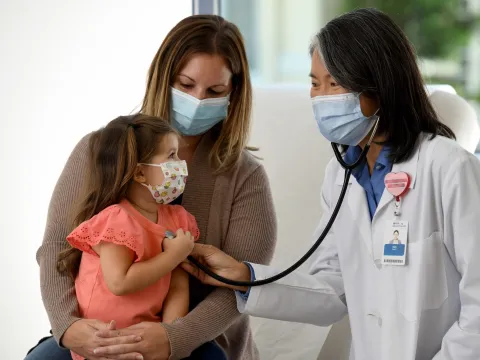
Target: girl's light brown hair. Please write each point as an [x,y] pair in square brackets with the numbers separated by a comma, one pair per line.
[114,153]
[213,35]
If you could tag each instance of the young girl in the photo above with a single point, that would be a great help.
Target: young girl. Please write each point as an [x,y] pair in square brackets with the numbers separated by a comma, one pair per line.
[121,271]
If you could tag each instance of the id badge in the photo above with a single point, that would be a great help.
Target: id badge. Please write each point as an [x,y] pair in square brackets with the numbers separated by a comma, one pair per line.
[395,243]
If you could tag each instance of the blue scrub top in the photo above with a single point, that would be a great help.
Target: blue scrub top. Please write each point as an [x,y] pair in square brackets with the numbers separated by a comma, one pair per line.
[374,184]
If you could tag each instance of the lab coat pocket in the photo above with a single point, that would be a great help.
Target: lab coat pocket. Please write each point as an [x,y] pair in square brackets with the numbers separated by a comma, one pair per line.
[422,283]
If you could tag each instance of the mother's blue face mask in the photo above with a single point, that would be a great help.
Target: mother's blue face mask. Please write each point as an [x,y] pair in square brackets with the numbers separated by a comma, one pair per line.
[192,117]
[340,118]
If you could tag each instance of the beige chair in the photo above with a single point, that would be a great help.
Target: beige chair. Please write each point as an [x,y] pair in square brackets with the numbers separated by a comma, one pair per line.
[295,156]
[459,115]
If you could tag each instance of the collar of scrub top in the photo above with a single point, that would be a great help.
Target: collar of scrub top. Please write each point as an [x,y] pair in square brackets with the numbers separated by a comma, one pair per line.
[356,199]
[353,153]
[409,166]
[373,184]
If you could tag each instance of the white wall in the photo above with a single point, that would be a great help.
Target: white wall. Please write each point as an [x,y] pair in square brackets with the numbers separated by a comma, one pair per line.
[66,68]
[295,159]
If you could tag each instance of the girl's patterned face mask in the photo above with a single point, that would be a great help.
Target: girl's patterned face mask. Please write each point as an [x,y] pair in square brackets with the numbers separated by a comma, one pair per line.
[175,177]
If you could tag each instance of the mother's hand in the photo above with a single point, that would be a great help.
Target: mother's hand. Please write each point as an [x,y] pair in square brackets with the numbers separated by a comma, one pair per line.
[220,263]
[153,344]
[81,338]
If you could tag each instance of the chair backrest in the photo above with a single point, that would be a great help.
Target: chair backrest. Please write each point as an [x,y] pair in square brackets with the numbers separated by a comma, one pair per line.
[295,157]
[459,115]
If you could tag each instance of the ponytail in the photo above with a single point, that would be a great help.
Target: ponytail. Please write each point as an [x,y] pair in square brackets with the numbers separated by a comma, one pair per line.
[114,153]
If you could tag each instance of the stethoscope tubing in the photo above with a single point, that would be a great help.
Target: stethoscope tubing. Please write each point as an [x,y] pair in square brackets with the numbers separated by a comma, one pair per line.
[348,172]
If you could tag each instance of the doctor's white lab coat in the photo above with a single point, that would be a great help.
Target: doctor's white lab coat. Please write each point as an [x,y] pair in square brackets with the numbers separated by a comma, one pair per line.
[427,309]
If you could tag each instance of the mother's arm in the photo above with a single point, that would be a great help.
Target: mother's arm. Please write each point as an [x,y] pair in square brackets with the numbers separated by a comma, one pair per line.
[251,237]
[58,291]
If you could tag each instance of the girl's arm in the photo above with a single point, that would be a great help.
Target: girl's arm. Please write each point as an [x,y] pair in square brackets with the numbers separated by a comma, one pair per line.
[123,276]
[177,301]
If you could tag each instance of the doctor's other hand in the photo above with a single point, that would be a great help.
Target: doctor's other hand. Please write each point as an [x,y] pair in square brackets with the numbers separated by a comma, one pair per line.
[220,263]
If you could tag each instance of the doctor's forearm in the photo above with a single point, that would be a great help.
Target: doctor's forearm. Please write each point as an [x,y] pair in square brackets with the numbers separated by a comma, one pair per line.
[240,273]
[317,299]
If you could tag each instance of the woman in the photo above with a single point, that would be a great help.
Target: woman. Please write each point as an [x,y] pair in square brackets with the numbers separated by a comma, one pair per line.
[199,79]
[396,240]
[427,305]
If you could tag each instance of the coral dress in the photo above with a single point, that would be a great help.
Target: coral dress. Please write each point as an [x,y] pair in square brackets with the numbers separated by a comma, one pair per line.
[122,224]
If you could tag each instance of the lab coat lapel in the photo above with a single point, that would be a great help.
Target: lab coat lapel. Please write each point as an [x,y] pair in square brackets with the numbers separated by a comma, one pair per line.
[357,202]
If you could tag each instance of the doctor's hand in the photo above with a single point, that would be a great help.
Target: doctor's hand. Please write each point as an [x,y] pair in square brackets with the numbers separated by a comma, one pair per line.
[220,263]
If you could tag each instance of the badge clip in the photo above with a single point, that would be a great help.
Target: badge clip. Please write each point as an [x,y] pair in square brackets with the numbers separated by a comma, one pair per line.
[397,184]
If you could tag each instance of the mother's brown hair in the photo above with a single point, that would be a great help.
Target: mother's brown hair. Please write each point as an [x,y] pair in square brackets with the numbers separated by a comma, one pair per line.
[114,153]
[213,35]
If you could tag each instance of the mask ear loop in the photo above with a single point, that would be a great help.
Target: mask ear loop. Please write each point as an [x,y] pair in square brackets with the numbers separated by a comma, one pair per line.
[375,127]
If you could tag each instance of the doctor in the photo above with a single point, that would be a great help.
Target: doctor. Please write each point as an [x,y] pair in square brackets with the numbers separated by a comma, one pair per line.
[422,302]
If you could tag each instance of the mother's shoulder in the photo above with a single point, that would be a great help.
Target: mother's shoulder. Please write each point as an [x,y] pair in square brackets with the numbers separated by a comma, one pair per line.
[82,144]
[248,163]
[79,154]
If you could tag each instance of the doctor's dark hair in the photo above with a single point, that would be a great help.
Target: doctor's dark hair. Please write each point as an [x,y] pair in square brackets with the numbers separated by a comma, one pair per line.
[212,35]
[365,51]
[114,152]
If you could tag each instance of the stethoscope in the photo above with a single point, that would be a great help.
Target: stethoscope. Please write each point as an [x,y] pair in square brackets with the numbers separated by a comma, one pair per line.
[348,172]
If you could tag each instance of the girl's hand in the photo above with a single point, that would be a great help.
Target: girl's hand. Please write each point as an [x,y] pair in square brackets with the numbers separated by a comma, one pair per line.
[220,263]
[181,246]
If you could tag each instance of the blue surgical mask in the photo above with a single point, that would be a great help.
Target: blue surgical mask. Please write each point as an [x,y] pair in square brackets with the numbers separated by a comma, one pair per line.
[194,117]
[340,118]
